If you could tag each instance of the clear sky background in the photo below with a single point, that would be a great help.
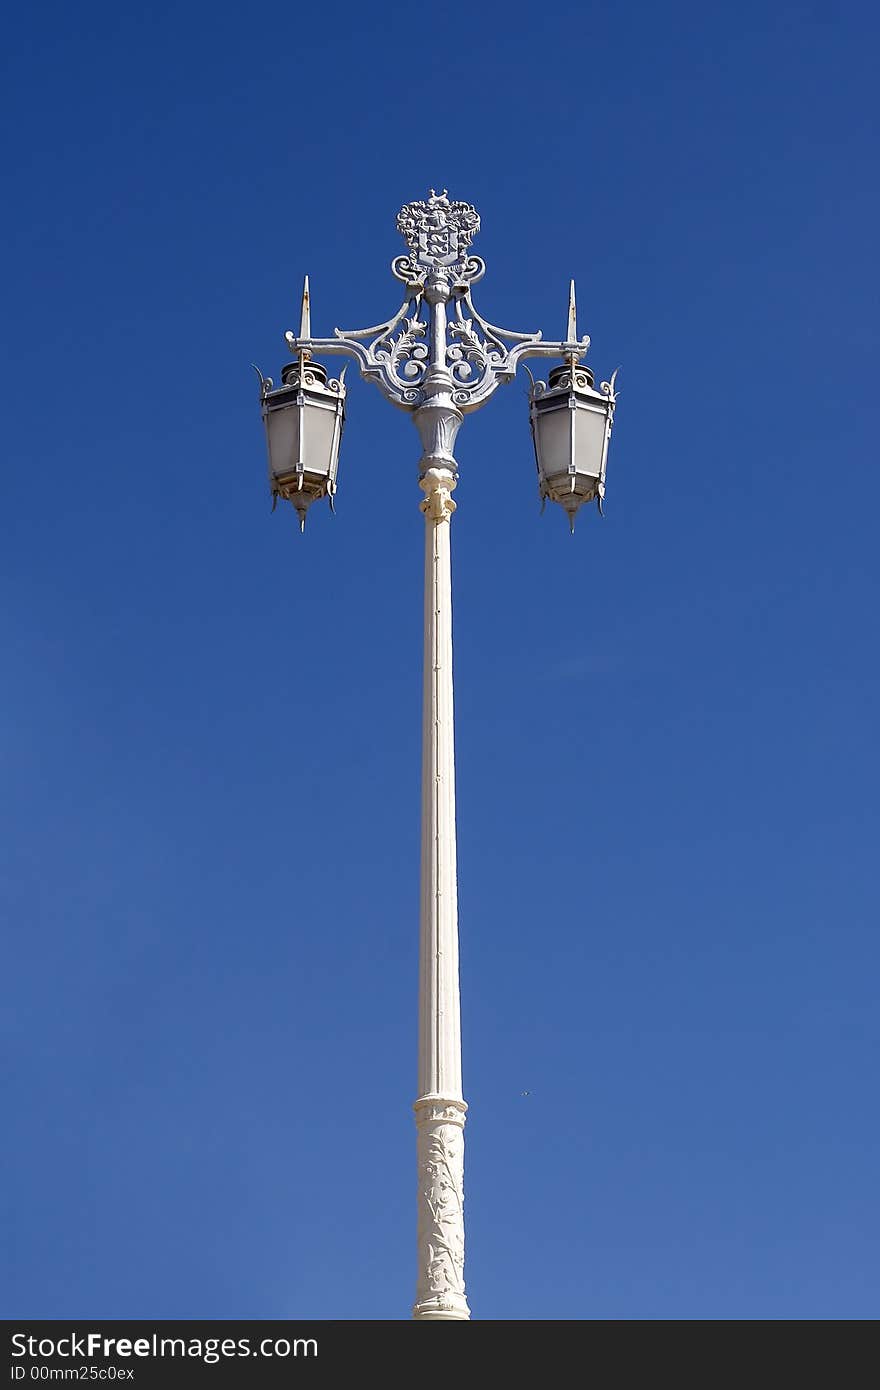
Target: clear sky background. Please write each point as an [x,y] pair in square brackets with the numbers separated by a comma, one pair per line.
[667,754]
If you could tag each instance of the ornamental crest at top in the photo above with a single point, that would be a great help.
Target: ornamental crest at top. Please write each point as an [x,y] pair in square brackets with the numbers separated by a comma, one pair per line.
[438,232]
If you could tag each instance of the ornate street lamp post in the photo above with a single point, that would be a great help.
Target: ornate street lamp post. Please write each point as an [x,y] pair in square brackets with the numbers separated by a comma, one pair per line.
[438,359]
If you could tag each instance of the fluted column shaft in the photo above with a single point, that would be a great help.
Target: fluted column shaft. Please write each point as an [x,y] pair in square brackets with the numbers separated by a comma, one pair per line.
[440,1109]
[439,1028]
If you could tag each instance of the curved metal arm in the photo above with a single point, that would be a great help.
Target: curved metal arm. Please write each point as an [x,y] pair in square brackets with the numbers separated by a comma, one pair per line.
[397,354]
[437,330]
[394,354]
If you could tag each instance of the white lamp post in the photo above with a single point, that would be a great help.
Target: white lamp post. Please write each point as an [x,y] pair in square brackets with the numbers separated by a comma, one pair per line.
[437,358]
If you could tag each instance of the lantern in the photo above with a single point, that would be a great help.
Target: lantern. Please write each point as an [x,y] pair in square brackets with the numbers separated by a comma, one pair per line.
[304,417]
[571,425]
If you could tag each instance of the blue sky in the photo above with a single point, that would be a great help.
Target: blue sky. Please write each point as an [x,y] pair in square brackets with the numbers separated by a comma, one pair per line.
[666,725]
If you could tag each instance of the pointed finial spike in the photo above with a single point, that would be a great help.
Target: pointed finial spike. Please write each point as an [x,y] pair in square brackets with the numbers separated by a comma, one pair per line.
[572,315]
[305,320]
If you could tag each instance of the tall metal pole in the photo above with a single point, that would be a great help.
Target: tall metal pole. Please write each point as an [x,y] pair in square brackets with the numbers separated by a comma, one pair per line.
[438,370]
[440,1107]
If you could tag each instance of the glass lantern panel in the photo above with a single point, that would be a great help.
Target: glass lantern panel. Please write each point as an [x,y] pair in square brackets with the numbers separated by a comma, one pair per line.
[553,429]
[283,431]
[318,439]
[589,436]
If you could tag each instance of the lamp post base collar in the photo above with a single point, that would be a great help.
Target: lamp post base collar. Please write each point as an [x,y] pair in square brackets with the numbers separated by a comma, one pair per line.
[437,485]
[446,1309]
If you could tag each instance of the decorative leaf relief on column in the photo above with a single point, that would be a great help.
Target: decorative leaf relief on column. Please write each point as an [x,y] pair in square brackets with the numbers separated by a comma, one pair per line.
[441,1207]
[438,505]
[437,485]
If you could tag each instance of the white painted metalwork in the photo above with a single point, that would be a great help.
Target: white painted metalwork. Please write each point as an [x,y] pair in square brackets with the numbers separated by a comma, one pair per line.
[437,358]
